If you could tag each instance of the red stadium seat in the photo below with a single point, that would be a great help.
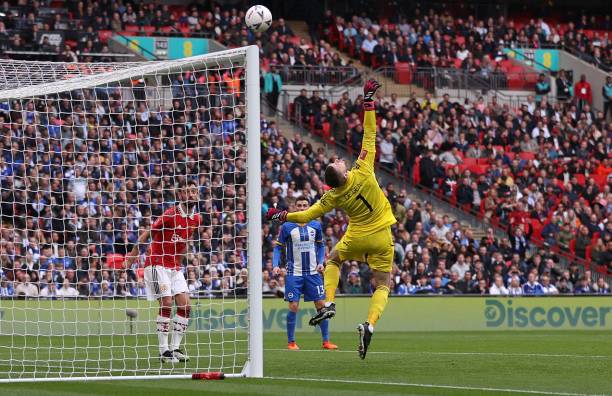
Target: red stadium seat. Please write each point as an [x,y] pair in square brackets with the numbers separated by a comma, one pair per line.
[600,180]
[149,30]
[186,31]
[341,41]
[470,162]
[104,35]
[326,130]
[295,40]
[115,261]
[291,110]
[403,73]
[536,229]
[416,171]
[132,28]
[572,248]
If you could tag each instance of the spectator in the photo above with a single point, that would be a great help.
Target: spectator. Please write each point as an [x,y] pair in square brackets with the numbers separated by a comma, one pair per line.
[515,289]
[583,93]
[498,288]
[105,288]
[542,87]
[369,44]
[464,285]
[354,284]
[339,126]
[121,290]
[519,242]
[405,286]
[461,266]
[606,92]
[583,286]
[6,288]
[564,87]
[547,287]
[26,289]
[50,291]
[583,240]
[387,152]
[601,287]
[563,287]
[532,287]
[273,86]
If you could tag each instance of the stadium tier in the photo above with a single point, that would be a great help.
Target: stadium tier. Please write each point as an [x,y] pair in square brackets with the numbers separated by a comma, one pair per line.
[130,175]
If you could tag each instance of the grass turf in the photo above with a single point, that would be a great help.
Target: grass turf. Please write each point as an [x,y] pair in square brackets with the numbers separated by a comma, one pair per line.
[443,363]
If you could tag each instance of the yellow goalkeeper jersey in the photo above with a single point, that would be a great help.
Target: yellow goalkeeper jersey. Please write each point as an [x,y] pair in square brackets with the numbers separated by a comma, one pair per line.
[361,197]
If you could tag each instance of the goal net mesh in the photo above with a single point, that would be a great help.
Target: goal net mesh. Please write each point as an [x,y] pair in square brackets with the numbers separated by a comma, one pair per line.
[90,155]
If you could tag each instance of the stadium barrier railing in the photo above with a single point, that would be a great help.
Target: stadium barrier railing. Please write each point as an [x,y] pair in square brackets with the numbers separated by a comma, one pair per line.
[318,75]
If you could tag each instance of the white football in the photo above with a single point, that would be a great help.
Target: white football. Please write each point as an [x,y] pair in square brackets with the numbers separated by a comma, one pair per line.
[258,18]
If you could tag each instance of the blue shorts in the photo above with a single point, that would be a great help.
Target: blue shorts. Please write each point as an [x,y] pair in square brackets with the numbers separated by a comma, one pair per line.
[309,285]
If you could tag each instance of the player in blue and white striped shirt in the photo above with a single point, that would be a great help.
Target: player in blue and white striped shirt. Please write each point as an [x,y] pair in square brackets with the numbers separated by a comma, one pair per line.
[304,256]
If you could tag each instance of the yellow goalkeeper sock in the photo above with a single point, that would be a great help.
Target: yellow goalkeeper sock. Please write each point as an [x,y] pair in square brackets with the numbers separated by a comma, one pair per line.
[332,277]
[378,304]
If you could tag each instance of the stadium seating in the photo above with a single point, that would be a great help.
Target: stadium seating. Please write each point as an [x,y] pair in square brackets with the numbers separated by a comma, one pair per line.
[497,158]
[427,40]
[500,164]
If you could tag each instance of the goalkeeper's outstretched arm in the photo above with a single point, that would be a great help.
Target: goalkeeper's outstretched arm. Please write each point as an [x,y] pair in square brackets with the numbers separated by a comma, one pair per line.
[322,206]
[368,143]
[314,212]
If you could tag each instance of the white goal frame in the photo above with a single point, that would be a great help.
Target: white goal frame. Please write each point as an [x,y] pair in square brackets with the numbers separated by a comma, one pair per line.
[41,85]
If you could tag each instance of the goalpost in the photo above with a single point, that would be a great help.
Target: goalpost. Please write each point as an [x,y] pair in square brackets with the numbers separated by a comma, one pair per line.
[89,157]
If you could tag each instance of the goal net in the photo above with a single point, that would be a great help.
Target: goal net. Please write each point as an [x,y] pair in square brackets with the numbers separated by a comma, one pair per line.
[90,157]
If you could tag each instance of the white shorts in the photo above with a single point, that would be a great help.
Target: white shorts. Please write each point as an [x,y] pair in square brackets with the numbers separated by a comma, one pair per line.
[163,282]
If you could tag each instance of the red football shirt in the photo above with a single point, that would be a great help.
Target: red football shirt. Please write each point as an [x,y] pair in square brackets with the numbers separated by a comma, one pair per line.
[169,236]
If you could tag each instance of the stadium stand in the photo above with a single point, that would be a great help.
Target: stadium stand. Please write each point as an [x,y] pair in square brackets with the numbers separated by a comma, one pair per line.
[81,32]
[443,40]
[549,163]
[524,166]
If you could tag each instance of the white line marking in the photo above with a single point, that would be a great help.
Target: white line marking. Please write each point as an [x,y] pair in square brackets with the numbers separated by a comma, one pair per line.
[453,353]
[475,388]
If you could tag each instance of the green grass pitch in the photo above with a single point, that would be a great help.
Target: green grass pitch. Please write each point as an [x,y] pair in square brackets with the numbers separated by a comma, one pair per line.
[436,363]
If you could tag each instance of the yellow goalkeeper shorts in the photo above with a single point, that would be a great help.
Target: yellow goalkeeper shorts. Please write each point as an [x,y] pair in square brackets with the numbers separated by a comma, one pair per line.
[375,249]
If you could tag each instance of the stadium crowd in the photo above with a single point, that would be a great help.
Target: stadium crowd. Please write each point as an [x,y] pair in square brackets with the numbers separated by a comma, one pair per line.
[541,170]
[80,31]
[83,174]
[441,39]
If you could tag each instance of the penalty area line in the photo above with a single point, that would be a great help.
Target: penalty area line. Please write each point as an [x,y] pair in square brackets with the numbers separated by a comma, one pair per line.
[434,386]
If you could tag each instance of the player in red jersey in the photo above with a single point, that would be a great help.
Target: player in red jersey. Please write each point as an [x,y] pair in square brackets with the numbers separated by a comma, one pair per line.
[164,280]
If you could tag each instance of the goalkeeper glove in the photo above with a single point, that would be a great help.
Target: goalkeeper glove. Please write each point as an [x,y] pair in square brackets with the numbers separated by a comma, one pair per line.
[369,90]
[276,214]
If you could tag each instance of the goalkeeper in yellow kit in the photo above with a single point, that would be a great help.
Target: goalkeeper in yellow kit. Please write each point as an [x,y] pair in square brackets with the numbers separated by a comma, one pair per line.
[368,237]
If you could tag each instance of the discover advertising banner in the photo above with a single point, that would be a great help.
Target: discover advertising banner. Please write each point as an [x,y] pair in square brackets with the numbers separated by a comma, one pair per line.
[96,317]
